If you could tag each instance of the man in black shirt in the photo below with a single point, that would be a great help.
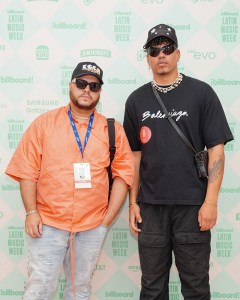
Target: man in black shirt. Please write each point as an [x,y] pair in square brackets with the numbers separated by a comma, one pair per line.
[171,208]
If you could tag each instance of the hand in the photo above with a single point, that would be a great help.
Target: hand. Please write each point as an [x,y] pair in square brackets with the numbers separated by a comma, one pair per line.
[207,216]
[134,218]
[33,225]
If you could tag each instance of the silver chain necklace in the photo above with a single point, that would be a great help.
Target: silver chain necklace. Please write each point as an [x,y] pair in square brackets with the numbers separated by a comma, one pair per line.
[176,83]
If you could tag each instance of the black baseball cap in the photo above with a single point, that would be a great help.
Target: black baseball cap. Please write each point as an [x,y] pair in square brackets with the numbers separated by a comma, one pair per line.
[88,68]
[161,30]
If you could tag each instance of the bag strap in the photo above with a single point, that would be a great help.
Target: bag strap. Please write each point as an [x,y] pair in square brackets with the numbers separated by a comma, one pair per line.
[175,126]
[111,134]
[112,148]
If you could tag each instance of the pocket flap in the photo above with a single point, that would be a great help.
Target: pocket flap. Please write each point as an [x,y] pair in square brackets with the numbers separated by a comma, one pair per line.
[150,239]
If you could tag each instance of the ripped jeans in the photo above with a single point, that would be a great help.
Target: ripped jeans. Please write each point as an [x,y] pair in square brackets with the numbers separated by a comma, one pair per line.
[51,252]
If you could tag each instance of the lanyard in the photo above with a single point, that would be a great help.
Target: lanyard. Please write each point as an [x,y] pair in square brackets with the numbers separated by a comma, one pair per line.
[76,133]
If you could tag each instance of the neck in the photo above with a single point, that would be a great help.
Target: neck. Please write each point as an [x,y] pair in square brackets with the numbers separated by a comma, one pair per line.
[165,79]
[80,114]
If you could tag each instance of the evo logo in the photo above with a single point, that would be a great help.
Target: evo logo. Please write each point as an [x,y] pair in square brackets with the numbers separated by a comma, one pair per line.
[203,54]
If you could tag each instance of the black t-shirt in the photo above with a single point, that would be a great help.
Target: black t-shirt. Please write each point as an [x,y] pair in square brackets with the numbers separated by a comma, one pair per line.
[168,173]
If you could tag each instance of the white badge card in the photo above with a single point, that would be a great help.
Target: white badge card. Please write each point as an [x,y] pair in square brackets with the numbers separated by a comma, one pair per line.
[82,175]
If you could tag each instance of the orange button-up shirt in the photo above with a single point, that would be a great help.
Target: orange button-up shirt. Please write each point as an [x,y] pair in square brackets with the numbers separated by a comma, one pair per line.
[46,154]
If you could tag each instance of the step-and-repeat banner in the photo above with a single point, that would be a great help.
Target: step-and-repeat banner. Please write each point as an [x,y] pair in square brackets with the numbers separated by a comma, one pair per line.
[41,41]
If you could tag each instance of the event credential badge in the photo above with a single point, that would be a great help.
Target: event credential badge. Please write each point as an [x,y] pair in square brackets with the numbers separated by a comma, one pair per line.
[82,175]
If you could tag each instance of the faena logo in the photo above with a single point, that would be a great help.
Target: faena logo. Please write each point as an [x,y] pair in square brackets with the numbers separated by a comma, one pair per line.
[42,52]
[91,68]
[205,55]
[141,55]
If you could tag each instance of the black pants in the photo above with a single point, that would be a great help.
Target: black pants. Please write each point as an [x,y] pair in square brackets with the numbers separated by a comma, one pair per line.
[167,228]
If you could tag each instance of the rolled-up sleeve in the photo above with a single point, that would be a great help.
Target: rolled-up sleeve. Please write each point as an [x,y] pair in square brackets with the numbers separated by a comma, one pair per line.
[26,160]
[123,163]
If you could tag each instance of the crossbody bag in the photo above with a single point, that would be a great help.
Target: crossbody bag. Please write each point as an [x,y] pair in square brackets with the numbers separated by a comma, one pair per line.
[201,158]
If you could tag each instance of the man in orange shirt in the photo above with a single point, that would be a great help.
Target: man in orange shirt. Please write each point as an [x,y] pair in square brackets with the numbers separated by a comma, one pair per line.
[61,164]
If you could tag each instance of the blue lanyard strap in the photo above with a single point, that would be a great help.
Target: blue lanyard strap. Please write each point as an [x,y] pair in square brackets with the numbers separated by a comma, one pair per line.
[76,132]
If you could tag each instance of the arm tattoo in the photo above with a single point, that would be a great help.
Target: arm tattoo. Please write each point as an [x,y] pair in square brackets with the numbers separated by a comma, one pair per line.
[215,170]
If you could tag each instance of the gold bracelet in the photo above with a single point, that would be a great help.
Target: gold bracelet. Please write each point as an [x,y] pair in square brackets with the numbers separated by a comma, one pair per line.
[211,203]
[132,203]
[31,212]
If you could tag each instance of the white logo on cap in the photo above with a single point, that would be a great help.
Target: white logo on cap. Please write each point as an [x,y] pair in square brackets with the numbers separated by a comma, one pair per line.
[91,68]
[154,31]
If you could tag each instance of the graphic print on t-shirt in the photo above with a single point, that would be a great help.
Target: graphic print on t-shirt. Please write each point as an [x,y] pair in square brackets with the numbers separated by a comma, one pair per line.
[160,115]
[145,134]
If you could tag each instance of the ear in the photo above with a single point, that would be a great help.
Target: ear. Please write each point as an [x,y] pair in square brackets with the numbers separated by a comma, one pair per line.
[178,54]
[148,60]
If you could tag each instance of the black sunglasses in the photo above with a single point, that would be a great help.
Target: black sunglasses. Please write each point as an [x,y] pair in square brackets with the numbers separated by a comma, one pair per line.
[82,84]
[167,50]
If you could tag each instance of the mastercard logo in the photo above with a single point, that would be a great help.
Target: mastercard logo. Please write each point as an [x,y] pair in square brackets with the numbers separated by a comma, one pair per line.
[145,134]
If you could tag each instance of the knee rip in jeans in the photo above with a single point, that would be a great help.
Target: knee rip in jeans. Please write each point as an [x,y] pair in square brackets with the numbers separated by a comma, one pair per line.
[48,262]
[83,291]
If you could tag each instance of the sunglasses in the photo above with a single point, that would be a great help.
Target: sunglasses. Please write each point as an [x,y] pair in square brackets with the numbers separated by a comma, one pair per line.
[167,50]
[82,84]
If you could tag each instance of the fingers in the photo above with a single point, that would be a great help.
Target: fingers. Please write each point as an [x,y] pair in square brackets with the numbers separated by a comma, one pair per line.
[207,226]
[207,217]
[33,226]
[135,218]
[206,223]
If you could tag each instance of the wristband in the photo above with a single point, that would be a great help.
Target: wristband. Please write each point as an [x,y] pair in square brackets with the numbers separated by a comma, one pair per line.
[211,203]
[31,212]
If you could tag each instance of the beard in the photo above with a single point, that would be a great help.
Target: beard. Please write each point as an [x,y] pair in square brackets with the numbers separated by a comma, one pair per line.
[81,104]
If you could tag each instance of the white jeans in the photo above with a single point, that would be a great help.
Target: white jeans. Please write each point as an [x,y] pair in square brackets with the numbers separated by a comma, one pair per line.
[51,252]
